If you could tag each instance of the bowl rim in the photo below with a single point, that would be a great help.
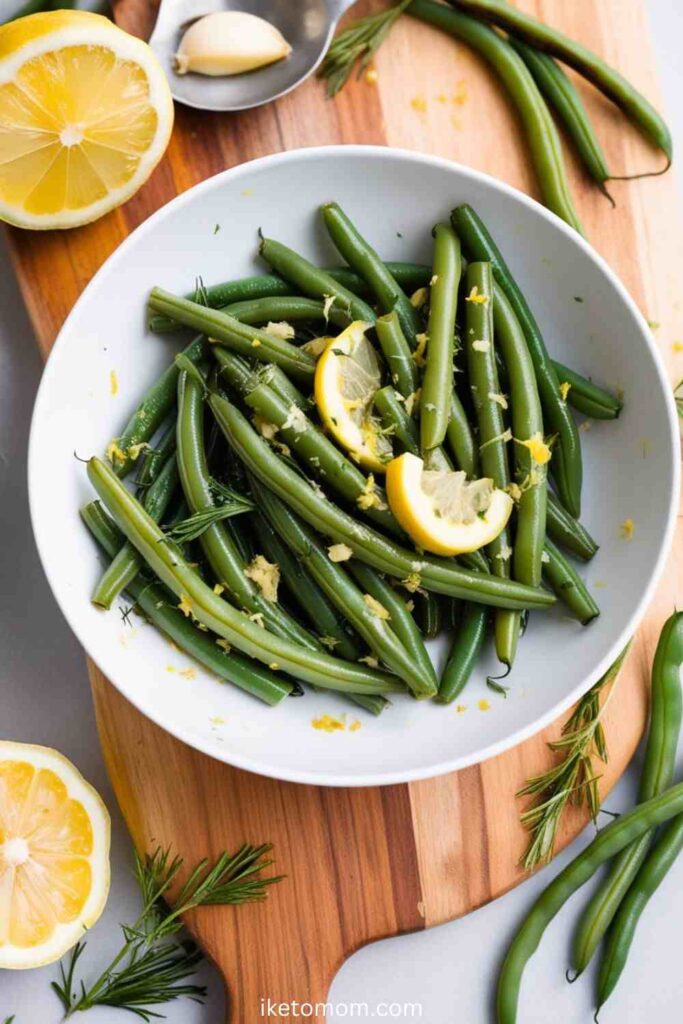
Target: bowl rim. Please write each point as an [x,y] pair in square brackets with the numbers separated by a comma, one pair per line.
[333,778]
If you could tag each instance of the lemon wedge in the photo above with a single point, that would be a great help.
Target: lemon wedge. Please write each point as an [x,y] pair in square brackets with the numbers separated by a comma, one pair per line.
[54,855]
[85,115]
[347,376]
[441,510]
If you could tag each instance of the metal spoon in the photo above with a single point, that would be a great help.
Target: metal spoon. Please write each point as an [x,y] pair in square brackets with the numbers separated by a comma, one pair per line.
[308,25]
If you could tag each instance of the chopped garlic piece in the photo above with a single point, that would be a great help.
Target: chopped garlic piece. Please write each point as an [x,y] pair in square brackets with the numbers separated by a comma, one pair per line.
[412,582]
[481,345]
[377,609]
[419,353]
[266,576]
[368,659]
[545,557]
[218,589]
[500,400]
[419,298]
[229,43]
[435,278]
[265,429]
[315,347]
[339,553]
[329,303]
[412,400]
[296,419]
[280,330]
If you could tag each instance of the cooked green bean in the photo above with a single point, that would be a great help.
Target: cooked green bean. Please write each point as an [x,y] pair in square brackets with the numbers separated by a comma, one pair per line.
[126,563]
[156,603]
[461,440]
[155,406]
[587,397]
[362,258]
[224,329]
[154,458]
[468,640]
[289,308]
[396,351]
[437,381]
[367,545]
[403,429]
[608,842]
[216,541]
[318,455]
[563,580]
[567,531]
[482,373]
[566,462]
[563,97]
[428,614]
[312,281]
[539,127]
[666,712]
[372,622]
[198,600]
[583,60]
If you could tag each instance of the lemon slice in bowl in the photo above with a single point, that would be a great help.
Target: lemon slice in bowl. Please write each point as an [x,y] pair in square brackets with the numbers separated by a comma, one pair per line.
[347,376]
[442,511]
[54,855]
[85,115]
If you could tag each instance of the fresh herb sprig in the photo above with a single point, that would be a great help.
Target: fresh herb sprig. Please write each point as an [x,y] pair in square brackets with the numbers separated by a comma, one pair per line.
[573,780]
[358,44]
[151,967]
[229,504]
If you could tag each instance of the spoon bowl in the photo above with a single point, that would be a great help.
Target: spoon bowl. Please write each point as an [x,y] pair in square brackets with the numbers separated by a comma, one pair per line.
[307,25]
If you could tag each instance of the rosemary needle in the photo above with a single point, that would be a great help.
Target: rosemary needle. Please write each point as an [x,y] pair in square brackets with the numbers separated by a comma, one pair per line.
[573,779]
[357,44]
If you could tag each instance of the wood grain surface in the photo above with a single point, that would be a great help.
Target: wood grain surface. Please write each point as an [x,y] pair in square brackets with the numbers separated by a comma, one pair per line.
[364,864]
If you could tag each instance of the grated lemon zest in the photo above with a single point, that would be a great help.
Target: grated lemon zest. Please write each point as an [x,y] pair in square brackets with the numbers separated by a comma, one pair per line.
[266,576]
[476,297]
[377,609]
[339,553]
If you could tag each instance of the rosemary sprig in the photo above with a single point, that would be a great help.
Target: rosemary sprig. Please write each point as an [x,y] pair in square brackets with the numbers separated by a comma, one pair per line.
[230,504]
[151,967]
[358,44]
[573,779]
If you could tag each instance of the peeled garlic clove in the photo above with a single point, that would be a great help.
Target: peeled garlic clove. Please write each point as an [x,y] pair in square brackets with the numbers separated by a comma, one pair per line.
[228,43]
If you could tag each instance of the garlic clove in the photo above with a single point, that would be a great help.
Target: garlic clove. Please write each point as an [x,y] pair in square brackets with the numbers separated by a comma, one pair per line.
[229,43]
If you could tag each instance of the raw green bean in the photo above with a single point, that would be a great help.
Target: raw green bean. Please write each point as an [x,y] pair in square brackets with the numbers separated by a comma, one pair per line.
[126,562]
[402,622]
[289,308]
[154,458]
[343,592]
[367,545]
[608,842]
[312,281]
[396,351]
[362,258]
[224,329]
[155,406]
[541,133]
[587,397]
[583,60]
[566,462]
[318,455]
[217,543]
[437,381]
[666,711]
[461,440]
[567,531]
[564,99]
[563,580]
[483,379]
[157,604]
[468,640]
[203,604]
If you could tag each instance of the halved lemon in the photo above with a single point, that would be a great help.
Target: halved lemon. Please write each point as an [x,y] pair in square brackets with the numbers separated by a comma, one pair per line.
[441,510]
[347,376]
[54,855]
[85,115]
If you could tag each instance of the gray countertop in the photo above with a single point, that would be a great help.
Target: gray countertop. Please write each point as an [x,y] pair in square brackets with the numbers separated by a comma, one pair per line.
[445,976]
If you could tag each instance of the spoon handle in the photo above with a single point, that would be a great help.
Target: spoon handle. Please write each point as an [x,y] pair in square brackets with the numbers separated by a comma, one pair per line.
[335,8]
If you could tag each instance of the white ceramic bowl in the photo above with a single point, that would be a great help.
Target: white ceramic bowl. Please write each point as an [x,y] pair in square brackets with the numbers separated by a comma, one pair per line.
[395,197]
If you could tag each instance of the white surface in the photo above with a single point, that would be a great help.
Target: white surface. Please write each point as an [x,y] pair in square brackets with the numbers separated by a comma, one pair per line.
[75,411]
[451,970]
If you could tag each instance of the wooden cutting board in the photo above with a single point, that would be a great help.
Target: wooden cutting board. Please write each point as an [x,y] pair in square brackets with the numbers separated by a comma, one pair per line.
[364,864]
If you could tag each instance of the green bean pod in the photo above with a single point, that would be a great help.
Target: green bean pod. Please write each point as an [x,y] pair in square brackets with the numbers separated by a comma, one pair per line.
[289,308]
[566,462]
[482,373]
[155,458]
[468,640]
[198,600]
[583,60]
[397,354]
[338,586]
[428,614]
[461,440]
[563,97]
[608,842]
[587,397]
[567,531]
[156,603]
[403,428]
[666,712]
[437,381]
[126,562]
[311,280]
[368,546]
[563,580]
[360,255]
[541,134]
